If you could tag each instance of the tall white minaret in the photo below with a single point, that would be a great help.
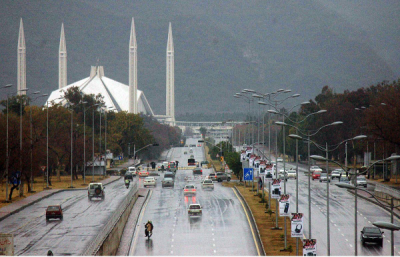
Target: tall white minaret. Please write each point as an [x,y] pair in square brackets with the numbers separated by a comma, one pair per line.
[170,78]
[62,61]
[133,106]
[21,73]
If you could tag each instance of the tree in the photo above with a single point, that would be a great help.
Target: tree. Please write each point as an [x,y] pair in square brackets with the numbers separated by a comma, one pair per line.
[203,132]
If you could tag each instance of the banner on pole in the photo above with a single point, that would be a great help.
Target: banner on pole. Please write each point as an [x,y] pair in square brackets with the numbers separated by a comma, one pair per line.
[297,224]
[284,206]
[309,247]
[276,189]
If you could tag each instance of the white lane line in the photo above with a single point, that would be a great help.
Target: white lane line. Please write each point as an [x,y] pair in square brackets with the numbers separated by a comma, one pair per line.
[346,240]
[351,245]
[214,245]
[365,217]
[172,252]
[335,225]
[388,241]
[172,240]
[215,251]
[360,214]
[172,246]
[338,229]
[369,222]
[342,234]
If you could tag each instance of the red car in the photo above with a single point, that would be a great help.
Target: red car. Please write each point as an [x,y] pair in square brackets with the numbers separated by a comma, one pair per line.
[54,212]
[316,174]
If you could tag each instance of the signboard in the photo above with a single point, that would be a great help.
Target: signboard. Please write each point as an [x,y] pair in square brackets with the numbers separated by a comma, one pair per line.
[309,247]
[248,174]
[7,244]
[284,206]
[119,157]
[297,224]
[276,189]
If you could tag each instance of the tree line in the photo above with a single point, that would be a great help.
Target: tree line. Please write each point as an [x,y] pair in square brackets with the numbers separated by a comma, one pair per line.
[90,121]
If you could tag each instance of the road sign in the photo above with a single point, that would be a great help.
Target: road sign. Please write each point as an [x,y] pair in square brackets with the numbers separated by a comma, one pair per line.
[120,157]
[43,168]
[217,155]
[248,174]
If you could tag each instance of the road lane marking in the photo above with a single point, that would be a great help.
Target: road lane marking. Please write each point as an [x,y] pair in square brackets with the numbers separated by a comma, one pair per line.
[342,234]
[248,220]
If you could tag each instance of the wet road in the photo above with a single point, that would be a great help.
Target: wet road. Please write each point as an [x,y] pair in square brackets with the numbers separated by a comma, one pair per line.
[83,219]
[341,217]
[223,228]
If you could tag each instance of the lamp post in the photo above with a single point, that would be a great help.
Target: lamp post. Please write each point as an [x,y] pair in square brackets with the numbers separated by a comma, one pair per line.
[347,186]
[7,157]
[327,184]
[21,191]
[135,152]
[84,139]
[31,149]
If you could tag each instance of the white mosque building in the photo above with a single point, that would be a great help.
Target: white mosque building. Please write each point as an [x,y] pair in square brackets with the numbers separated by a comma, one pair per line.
[117,96]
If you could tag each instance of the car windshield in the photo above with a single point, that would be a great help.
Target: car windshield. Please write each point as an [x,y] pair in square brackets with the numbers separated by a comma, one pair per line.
[361,179]
[167,179]
[53,208]
[194,206]
[207,181]
[372,230]
[189,187]
[344,178]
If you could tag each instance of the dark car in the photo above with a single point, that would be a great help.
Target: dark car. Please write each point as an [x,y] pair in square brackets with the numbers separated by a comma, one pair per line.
[221,176]
[197,171]
[344,179]
[54,212]
[371,235]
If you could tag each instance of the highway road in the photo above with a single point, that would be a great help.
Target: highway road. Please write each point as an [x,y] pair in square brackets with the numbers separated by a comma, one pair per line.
[223,228]
[341,217]
[83,219]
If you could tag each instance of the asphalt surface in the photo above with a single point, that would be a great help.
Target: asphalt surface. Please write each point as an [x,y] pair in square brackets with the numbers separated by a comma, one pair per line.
[341,216]
[223,228]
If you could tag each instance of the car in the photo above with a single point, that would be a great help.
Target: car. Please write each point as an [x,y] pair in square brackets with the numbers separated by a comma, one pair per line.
[149,181]
[221,176]
[337,173]
[143,173]
[167,182]
[172,166]
[185,152]
[312,169]
[371,235]
[279,159]
[316,174]
[96,190]
[213,176]
[197,171]
[191,162]
[324,177]
[169,174]
[344,179]
[132,170]
[361,181]
[191,150]
[207,184]
[195,210]
[189,190]
[282,175]
[291,174]
[158,166]
[54,212]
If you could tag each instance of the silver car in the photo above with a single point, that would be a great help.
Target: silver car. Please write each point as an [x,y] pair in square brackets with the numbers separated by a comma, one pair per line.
[324,177]
[167,182]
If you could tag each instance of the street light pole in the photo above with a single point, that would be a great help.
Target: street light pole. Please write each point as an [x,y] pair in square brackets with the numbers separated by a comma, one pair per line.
[7,157]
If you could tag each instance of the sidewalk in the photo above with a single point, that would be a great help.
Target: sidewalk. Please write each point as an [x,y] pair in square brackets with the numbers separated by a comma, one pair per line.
[25,202]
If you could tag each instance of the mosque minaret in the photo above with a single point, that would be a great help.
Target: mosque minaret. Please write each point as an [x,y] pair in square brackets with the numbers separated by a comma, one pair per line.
[170,78]
[21,65]
[133,105]
[62,61]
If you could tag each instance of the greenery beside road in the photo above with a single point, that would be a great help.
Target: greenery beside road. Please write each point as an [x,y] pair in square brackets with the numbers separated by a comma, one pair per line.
[87,116]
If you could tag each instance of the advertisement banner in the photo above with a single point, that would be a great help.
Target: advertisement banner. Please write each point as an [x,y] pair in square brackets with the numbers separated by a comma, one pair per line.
[276,189]
[309,247]
[297,224]
[284,206]
[6,244]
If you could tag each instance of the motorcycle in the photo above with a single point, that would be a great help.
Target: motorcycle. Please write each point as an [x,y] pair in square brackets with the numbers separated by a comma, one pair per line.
[127,184]
[148,232]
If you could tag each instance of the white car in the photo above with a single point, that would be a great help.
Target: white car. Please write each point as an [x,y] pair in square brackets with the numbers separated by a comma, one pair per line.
[291,174]
[207,184]
[279,159]
[149,181]
[195,210]
[189,190]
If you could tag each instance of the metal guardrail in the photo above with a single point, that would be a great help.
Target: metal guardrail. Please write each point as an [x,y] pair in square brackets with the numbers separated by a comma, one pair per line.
[95,245]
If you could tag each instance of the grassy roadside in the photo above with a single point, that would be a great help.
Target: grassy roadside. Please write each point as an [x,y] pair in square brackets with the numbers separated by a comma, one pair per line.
[273,240]
[216,164]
